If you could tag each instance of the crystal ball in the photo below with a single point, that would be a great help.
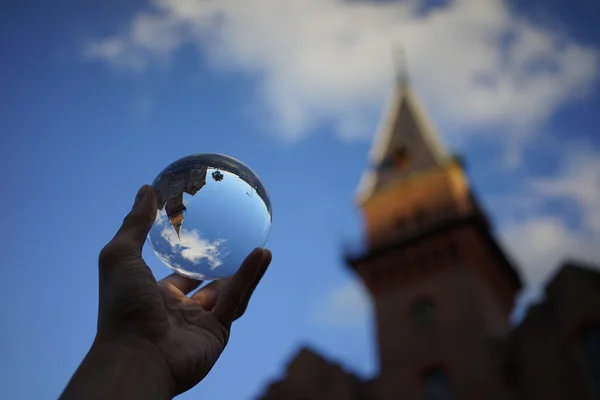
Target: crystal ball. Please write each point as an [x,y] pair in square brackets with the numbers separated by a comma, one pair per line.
[212,212]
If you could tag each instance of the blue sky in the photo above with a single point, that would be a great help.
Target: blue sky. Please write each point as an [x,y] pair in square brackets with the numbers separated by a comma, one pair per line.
[98,97]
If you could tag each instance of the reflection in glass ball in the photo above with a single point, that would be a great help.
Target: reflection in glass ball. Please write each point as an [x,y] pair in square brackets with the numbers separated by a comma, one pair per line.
[212,212]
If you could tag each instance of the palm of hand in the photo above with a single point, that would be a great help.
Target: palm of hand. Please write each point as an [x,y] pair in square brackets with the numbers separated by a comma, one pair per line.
[187,334]
[194,337]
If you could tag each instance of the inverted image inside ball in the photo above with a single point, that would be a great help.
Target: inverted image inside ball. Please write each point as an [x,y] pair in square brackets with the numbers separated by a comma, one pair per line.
[212,212]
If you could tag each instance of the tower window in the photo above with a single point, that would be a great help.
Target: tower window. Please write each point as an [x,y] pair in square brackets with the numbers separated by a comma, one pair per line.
[423,312]
[590,347]
[397,159]
[400,157]
[436,385]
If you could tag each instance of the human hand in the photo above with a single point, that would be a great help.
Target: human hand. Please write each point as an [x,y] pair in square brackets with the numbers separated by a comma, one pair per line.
[178,337]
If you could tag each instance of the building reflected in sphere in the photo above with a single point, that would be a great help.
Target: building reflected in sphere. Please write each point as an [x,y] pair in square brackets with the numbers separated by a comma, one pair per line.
[205,228]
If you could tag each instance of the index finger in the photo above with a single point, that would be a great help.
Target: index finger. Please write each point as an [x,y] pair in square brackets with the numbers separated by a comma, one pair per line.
[233,294]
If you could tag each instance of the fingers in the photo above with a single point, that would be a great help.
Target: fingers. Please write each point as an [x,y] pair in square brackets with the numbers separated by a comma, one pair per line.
[207,296]
[130,237]
[185,285]
[138,222]
[261,272]
[233,294]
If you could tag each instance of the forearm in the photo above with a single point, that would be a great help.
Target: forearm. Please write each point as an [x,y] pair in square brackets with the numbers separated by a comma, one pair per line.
[117,371]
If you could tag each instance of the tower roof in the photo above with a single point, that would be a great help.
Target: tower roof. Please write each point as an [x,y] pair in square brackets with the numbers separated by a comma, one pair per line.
[176,222]
[406,142]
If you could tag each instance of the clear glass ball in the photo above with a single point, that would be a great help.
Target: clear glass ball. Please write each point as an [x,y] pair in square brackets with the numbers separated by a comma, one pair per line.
[212,212]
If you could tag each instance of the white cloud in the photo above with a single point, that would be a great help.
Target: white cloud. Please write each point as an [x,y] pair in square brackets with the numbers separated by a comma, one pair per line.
[328,61]
[476,63]
[540,242]
[346,306]
[161,217]
[190,244]
[193,248]
[539,246]
[579,182]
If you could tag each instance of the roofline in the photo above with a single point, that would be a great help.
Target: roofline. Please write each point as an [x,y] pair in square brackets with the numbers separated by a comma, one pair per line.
[477,220]
[362,198]
[403,92]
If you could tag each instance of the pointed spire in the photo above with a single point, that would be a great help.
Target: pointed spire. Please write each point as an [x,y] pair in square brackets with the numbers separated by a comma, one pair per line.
[175,209]
[400,65]
[176,222]
[406,141]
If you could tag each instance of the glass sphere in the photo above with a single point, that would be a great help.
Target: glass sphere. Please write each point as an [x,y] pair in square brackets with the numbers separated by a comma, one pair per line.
[212,212]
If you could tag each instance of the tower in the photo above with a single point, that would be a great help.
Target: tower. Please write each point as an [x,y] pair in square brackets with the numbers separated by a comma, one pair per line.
[175,210]
[442,288]
[194,181]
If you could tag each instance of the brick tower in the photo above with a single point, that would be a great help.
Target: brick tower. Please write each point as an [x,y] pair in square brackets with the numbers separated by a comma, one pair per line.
[441,286]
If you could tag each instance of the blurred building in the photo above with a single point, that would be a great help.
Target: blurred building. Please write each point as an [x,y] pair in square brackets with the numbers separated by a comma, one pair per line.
[443,290]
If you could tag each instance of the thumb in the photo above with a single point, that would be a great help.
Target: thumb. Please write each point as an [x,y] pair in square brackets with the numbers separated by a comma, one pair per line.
[130,237]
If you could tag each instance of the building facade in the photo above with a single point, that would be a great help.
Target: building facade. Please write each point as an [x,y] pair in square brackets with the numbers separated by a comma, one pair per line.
[443,291]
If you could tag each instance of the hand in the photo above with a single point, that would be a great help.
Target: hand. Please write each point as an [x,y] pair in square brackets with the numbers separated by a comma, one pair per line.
[184,336]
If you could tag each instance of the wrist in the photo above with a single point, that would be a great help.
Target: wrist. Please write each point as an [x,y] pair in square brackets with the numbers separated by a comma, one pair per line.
[122,368]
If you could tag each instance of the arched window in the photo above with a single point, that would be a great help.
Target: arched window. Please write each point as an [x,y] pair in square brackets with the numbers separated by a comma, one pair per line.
[400,158]
[590,348]
[437,385]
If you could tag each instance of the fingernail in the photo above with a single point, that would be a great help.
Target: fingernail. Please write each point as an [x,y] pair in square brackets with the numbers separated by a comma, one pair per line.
[141,195]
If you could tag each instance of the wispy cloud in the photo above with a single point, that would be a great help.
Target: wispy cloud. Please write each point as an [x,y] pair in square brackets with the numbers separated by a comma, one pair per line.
[190,244]
[193,248]
[541,240]
[328,61]
[346,306]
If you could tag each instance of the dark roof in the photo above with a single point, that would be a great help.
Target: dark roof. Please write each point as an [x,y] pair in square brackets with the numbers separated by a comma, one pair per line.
[307,352]
[219,161]
[307,360]
[575,272]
